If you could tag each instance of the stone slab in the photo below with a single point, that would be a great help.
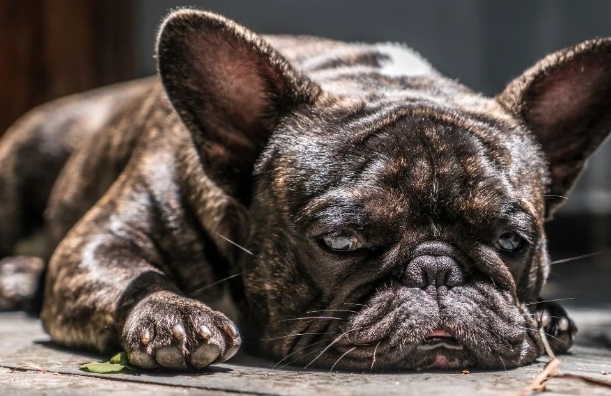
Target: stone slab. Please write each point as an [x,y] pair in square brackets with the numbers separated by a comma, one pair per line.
[31,364]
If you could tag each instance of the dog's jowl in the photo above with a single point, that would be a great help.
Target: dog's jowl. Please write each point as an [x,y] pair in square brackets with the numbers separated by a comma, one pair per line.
[368,212]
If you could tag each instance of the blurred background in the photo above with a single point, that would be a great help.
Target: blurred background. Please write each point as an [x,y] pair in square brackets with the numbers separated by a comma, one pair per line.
[50,48]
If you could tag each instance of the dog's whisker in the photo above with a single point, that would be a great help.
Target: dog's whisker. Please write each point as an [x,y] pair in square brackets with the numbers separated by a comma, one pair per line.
[501,339]
[503,363]
[333,342]
[544,301]
[360,305]
[551,316]
[566,260]
[235,244]
[332,310]
[312,318]
[299,358]
[556,338]
[290,335]
[347,332]
[556,196]
[326,348]
[299,350]
[340,358]
[198,291]
[527,327]
[373,360]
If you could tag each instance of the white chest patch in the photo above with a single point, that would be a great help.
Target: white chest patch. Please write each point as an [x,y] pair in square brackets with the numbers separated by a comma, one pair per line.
[403,62]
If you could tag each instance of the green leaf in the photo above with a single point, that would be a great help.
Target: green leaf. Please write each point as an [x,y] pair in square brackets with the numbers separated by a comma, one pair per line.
[120,358]
[117,364]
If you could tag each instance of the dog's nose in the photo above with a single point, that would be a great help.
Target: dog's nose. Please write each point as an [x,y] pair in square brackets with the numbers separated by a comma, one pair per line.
[424,271]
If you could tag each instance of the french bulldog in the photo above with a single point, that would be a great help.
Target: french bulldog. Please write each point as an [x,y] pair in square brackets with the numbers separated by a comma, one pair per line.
[363,211]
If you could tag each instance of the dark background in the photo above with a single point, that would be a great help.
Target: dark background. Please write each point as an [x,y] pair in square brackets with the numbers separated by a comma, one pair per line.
[49,48]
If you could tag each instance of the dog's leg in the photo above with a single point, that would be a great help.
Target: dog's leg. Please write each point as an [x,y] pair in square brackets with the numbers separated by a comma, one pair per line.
[108,284]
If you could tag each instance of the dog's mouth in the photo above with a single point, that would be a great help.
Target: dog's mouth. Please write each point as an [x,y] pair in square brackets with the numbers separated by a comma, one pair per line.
[439,339]
[400,328]
[441,350]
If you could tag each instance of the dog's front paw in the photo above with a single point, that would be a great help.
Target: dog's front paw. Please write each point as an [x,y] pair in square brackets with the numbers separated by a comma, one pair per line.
[177,332]
[560,329]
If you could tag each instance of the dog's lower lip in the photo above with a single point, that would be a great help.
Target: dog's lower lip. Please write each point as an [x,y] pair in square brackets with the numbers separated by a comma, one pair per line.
[434,344]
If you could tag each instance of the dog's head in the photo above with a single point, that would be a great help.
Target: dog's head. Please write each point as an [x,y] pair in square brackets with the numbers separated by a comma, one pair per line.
[383,218]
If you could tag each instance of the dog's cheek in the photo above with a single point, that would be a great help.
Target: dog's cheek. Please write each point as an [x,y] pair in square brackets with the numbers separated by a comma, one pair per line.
[534,276]
[277,300]
[496,330]
[276,290]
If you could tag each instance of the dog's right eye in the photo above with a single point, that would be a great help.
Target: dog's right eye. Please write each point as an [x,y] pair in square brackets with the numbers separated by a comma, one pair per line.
[342,243]
[510,242]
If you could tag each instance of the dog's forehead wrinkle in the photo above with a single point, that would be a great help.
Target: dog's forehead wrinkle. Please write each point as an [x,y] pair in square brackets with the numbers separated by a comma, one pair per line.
[398,176]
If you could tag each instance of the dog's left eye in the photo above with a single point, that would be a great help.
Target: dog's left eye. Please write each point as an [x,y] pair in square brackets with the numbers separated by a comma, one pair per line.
[510,242]
[342,243]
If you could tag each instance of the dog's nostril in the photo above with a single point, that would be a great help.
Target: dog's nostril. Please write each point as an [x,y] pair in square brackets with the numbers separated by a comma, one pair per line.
[425,271]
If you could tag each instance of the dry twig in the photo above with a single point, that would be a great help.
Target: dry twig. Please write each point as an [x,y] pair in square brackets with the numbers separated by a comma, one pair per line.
[552,370]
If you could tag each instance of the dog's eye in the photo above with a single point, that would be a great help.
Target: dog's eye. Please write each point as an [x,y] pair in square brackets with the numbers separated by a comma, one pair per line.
[342,243]
[510,242]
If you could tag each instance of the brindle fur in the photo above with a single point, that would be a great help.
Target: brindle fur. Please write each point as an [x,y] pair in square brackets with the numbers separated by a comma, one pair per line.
[271,143]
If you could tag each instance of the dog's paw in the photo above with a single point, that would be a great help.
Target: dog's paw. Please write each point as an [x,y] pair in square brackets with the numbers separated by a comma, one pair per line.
[176,332]
[19,277]
[560,329]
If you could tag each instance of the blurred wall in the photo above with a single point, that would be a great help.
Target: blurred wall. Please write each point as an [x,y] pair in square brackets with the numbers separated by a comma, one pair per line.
[482,43]
[52,48]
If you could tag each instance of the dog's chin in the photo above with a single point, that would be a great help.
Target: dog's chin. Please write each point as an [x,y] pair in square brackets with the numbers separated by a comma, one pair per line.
[401,328]
[380,357]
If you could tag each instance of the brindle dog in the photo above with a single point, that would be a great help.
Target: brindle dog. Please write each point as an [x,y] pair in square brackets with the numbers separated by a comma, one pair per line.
[367,212]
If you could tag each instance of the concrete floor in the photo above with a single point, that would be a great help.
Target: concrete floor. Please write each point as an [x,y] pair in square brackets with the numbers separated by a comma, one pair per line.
[31,364]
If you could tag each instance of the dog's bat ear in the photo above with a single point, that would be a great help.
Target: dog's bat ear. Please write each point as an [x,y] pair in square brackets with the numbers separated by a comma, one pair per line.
[565,100]
[230,88]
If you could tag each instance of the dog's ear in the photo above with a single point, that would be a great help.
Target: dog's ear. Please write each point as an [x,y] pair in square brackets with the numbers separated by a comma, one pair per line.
[230,88]
[565,100]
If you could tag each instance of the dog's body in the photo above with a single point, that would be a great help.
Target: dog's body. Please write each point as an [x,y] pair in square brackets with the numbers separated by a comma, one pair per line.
[367,210]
